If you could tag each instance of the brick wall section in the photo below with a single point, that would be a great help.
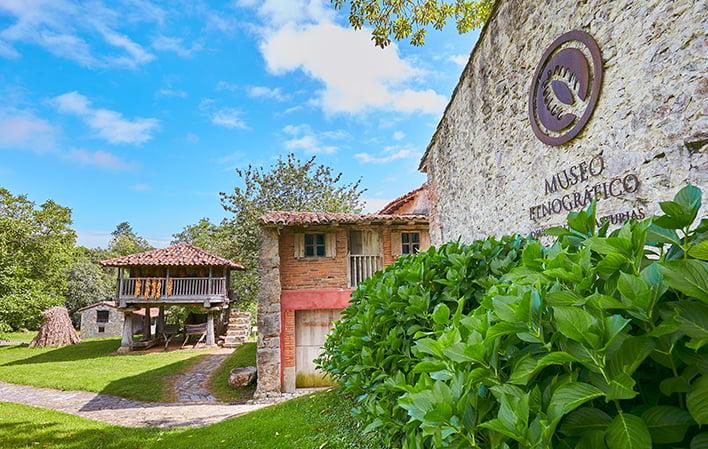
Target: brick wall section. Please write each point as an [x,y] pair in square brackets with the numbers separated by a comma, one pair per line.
[288,338]
[312,272]
[386,239]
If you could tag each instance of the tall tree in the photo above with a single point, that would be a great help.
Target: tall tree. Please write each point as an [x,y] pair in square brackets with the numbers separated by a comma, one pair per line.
[205,235]
[289,185]
[87,282]
[125,241]
[410,19]
[36,247]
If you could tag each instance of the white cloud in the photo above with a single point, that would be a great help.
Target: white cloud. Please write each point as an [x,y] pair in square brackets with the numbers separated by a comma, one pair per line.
[266,92]
[399,135]
[303,137]
[100,159]
[167,92]
[373,205]
[175,45]
[222,116]
[460,59]
[71,30]
[23,130]
[192,138]
[390,154]
[228,118]
[277,13]
[357,76]
[109,125]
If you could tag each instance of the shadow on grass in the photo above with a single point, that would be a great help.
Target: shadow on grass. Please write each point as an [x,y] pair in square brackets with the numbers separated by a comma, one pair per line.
[83,351]
[155,385]
[17,433]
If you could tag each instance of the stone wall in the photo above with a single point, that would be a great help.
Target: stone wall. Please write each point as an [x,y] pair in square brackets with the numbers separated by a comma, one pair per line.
[268,352]
[90,328]
[486,168]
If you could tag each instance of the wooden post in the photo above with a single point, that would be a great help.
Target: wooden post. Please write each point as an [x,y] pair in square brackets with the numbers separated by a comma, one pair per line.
[209,289]
[160,325]
[120,283]
[210,339]
[126,343]
[147,331]
[167,282]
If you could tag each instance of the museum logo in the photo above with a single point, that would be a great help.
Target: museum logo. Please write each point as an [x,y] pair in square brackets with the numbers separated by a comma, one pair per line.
[565,88]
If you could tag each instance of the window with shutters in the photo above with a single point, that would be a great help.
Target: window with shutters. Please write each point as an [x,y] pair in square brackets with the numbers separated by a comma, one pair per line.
[102,316]
[410,242]
[315,245]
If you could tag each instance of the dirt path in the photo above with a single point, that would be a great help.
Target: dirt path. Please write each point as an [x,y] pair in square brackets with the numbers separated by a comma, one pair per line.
[120,411]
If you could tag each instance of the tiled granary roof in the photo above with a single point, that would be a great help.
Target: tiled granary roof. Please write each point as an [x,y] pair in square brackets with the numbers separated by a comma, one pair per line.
[391,207]
[283,218]
[182,254]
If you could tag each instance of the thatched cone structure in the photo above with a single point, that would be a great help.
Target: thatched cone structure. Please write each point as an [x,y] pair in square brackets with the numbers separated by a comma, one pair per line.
[56,329]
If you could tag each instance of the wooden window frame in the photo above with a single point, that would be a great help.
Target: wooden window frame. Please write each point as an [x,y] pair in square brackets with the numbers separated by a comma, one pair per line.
[98,316]
[410,242]
[317,245]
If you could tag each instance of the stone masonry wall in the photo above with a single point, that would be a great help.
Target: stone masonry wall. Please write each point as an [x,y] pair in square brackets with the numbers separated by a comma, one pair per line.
[268,352]
[486,167]
[90,327]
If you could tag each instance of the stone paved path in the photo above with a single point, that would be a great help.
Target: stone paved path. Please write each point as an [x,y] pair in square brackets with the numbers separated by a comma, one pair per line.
[120,411]
[191,387]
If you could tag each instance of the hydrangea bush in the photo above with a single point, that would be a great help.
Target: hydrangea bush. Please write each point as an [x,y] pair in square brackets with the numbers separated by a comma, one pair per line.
[596,341]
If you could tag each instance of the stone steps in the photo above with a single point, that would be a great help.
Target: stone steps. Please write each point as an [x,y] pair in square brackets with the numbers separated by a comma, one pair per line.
[238,329]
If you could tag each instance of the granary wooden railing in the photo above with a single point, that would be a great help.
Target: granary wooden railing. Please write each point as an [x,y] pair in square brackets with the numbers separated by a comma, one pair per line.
[362,267]
[156,288]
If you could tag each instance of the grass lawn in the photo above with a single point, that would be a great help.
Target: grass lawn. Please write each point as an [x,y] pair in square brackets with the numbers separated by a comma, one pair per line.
[244,355]
[91,366]
[22,337]
[320,421]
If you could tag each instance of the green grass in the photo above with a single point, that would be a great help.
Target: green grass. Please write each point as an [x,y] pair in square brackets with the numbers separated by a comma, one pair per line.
[92,366]
[320,421]
[244,355]
[22,337]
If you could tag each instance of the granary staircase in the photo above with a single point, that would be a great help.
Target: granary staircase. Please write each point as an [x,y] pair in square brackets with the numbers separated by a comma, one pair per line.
[238,329]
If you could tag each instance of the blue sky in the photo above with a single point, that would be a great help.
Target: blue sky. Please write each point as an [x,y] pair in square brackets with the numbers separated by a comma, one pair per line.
[139,111]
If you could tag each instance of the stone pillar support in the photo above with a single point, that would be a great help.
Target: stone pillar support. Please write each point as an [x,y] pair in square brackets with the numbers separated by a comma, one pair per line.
[147,328]
[210,340]
[160,324]
[126,343]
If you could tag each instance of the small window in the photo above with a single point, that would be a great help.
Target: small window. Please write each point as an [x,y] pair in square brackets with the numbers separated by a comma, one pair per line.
[410,242]
[101,329]
[314,245]
[102,316]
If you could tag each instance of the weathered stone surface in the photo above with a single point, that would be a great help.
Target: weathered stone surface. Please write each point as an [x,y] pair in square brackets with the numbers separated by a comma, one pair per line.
[487,168]
[240,377]
[268,348]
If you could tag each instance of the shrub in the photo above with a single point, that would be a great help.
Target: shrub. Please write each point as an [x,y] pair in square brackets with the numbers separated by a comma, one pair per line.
[597,341]
[370,349]
[23,310]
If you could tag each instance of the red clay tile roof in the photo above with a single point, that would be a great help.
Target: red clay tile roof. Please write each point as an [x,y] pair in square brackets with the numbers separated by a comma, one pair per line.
[182,254]
[284,218]
[391,207]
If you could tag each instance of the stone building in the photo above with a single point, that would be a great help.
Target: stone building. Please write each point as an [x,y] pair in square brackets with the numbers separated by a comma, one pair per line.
[103,319]
[309,265]
[564,102]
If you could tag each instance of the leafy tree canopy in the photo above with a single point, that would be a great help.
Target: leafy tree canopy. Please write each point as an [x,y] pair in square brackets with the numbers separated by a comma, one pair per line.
[125,241]
[36,247]
[410,19]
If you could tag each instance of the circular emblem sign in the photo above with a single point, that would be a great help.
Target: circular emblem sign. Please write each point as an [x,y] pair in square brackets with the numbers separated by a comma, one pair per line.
[565,88]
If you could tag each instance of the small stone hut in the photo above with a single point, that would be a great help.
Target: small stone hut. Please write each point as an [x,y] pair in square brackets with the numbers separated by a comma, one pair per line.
[103,319]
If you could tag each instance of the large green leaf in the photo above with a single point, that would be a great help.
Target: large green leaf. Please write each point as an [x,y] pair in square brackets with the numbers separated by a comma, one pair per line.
[583,420]
[699,251]
[697,400]
[700,441]
[570,396]
[690,198]
[635,289]
[628,432]
[689,276]
[573,322]
[693,321]
[667,424]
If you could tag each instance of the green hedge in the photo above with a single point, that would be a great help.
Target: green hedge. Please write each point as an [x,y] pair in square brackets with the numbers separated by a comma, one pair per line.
[597,341]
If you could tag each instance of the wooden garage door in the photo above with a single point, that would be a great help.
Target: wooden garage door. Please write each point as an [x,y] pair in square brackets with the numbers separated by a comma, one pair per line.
[311,329]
